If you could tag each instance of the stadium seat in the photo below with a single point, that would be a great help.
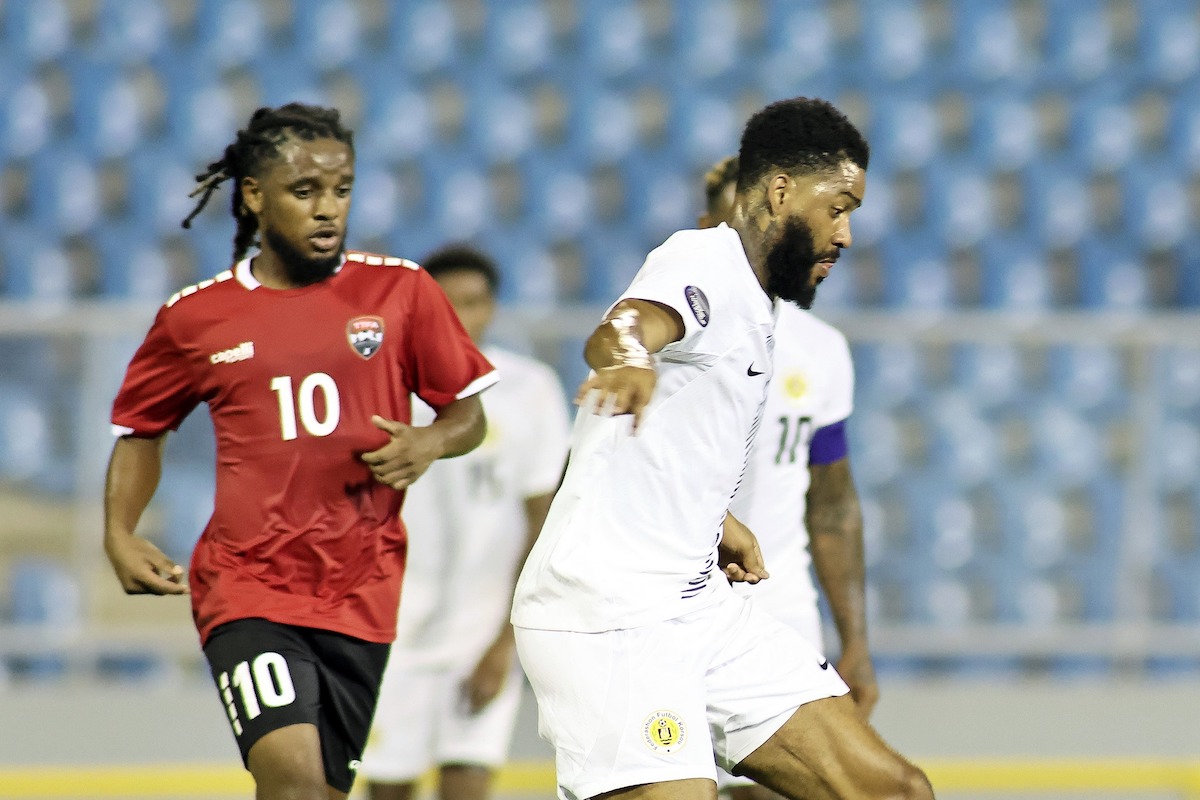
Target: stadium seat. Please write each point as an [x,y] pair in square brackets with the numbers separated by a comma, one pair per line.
[377,202]
[960,202]
[706,39]
[613,37]
[603,124]
[230,33]
[917,274]
[704,127]
[989,374]
[330,31]
[1015,275]
[893,41]
[987,43]
[1069,448]
[43,593]
[875,441]
[131,31]
[1112,276]
[519,38]
[424,36]
[108,113]
[1104,130]
[1086,376]
[559,198]
[27,123]
[1179,377]
[1059,203]
[37,32]
[1184,131]
[1177,454]
[1004,133]
[1189,279]
[25,435]
[1078,42]
[132,267]
[500,123]
[1168,41]
[661,197]
[889,373]
[185,497]
[903,131]
[1156,204]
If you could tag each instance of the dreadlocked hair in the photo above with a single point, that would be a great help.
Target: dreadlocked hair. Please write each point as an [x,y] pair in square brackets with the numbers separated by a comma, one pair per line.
[257,143]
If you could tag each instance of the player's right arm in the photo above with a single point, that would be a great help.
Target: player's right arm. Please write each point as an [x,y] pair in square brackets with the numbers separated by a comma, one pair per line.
[133,473]
[619,351]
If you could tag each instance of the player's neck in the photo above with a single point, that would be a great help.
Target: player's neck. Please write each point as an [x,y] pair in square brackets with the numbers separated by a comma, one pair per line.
[752,243]
[271,270]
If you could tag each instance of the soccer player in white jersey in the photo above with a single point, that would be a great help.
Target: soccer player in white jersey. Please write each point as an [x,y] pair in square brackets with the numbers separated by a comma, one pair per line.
[647,667]
[452,687]
[798,485]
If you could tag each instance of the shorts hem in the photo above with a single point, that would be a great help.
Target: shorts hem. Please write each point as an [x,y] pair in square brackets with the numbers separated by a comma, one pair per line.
[597,787]
[757,735]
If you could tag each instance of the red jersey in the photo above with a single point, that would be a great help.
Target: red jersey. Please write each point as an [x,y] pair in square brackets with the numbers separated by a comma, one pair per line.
[301,532]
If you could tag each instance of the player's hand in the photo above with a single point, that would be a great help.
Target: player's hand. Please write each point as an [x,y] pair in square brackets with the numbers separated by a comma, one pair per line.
[612,391]
[406,456]
[142,568]
[488,678]
[858,672]
[739,555]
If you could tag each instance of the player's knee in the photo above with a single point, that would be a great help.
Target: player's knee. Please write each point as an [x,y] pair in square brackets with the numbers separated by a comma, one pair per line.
[914,785]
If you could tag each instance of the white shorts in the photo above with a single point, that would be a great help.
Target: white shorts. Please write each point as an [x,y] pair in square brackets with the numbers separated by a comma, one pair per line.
[805,619]
[422,721]
[660,702]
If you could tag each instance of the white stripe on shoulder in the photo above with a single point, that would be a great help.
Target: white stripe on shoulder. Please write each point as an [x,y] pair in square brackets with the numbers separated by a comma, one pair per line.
[479,384]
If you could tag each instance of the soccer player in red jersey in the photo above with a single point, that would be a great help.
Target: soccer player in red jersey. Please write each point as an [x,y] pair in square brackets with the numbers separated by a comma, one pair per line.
[307,356]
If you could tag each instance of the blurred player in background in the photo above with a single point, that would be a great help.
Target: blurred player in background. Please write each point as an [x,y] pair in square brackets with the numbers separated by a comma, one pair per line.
[452,687]
[307,356]
[645,663]
[798,491]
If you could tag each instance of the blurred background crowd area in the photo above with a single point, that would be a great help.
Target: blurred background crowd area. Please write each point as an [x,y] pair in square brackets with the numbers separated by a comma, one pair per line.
[1021,296]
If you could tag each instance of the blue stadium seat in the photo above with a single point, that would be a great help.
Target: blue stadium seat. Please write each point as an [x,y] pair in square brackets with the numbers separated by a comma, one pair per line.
[872,223]
[661,197]
[987,43]
[1086,376]
[1184,130]
[1189,279]
[614,256]
[1111,275]
[37,32]
[875,442]
[893,41]
[903,131]
[613,37]
[377,201]
[1156,204]
[25,114]
[1079,42]
[36,269]
[558,197]
[965,450]
[800,49]
[1059,203]
[500,123]
[132,267]
[424,36]
[917,275]
[1177,454]
[989,374]
[1015,275]
[603,125]
[132,31]
[1104,131]
[231,33]
[704,127]
[1069,449]
[530,276]
[287,77]
[1179,377]
[459,195]
[202,118]
[959,202]
[519,38]
[1004,133]
[399,123]
[330,30]
[25,434]
[160,181]
[706,39]
[67,202]
[889,374]
[185,496]
[108,111]
[43,593]
[1168,41]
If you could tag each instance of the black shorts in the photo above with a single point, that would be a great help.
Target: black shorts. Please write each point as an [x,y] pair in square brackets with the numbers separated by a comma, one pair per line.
[270,676]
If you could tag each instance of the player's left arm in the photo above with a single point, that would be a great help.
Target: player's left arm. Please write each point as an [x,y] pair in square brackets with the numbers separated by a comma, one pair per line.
[459,428]
[834,521]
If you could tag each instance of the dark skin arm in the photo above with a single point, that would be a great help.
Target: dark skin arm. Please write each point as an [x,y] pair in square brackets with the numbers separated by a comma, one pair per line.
[493,667]
[616,388]
[458,429]
[134,470]
[834,520]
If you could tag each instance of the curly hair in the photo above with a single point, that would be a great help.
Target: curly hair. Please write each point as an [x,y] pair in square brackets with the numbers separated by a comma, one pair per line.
[256,144]
[722,173]
[798,135]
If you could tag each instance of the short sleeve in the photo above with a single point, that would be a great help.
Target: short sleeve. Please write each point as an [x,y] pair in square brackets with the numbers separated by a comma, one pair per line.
[547,452]
[159,389]
[672,278]
[840,404]
[442,362]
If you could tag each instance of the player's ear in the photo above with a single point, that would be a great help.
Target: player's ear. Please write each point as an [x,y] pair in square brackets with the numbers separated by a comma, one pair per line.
[777,192]
[251,195]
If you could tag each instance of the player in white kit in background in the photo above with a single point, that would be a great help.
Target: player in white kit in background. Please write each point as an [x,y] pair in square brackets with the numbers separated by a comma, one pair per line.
[647,667]
[798,485]
[452,687]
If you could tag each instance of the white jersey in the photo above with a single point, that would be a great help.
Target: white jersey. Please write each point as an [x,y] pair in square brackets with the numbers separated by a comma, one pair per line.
[466,515]
[813,386]
[632,535]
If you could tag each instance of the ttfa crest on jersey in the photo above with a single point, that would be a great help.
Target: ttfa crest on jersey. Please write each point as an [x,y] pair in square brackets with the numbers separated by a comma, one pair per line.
[365,335]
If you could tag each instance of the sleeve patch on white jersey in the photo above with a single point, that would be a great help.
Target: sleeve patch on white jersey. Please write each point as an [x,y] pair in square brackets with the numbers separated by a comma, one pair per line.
[698,303]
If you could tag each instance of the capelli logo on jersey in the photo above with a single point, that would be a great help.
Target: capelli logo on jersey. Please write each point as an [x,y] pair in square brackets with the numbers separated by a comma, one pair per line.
[242,352]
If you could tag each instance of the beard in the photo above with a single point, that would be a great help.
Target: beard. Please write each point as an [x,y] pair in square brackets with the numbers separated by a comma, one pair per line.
[301,269]
[790,265]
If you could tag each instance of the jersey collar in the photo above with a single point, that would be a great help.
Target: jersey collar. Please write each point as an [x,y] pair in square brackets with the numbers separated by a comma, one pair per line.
[246,278]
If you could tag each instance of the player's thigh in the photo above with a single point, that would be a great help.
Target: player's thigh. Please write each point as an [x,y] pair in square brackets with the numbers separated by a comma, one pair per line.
[760,673]
[401,745]
[481,738]
[286,764]
[351,671]
[621,708]
[827,741]
[267,679]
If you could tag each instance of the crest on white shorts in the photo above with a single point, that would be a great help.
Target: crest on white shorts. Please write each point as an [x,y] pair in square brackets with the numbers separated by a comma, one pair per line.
[664,732]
